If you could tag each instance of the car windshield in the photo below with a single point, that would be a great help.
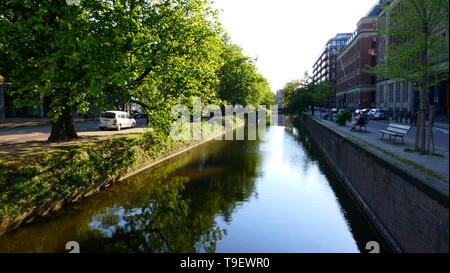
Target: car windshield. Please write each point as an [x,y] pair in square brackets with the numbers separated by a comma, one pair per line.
[108,115]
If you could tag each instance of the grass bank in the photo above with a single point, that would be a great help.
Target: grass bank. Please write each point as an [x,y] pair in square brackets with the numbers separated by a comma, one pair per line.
[39,183]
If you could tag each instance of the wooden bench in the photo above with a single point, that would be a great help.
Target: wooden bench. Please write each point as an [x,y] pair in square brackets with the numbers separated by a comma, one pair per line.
[396,130]
[362,124]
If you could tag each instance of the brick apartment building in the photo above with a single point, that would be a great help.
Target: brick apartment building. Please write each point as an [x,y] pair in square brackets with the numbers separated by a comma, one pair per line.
[355,89]
[324,69]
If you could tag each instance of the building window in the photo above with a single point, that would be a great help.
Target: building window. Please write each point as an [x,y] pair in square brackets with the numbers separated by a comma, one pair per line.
[397,92]
[381,94]
[405,92]
[391,93]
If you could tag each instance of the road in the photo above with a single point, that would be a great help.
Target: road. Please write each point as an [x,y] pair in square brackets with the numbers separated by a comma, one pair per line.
[41,133]
[90,129]
[440,135]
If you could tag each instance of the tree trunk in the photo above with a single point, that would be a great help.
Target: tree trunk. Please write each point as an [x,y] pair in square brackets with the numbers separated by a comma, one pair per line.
[429,130]
[418,117]
[422,125]
[63,129]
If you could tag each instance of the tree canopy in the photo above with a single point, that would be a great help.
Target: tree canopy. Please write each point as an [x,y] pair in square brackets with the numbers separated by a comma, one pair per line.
[155,53]
[416,51]
[298,95]
[240,83]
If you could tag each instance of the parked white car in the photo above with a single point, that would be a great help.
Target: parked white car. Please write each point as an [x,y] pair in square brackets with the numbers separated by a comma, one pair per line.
[116,120]
[377,114]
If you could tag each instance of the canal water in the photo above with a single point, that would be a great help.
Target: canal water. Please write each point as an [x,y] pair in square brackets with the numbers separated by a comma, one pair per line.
[271,195]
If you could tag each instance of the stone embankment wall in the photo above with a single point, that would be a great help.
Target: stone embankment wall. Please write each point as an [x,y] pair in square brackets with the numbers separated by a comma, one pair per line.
[409,208]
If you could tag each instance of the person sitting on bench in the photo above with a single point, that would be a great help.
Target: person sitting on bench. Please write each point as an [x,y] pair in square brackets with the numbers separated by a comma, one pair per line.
[360,120]
[356,117]
[327,115]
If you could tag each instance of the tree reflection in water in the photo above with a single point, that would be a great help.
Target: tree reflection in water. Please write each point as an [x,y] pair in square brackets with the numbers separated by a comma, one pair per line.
[177,209]
[165,223]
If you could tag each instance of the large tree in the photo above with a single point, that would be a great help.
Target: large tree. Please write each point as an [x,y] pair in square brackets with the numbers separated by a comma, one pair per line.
[154,52]
[172,54]
[240,81]
[41,52]
[322,92]
[417,52]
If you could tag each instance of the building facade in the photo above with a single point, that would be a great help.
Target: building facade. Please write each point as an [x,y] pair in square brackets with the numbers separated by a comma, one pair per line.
[279,98]
[9,110]
[356,89]
[324,69]
[400,99]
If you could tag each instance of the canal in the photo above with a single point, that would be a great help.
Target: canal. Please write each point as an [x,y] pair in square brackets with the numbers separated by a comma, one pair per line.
[271,195]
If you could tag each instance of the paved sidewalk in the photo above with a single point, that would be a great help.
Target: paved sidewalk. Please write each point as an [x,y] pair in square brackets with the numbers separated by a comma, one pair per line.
[34,138]
[27,122]
[438,165]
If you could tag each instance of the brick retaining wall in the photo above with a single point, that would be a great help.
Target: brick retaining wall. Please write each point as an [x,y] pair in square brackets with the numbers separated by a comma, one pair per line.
[410,211]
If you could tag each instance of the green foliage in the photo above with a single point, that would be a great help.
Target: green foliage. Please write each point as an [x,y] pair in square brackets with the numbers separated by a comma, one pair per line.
[289,91]
[298,95]
[93,55]
[322,92]
[172,215]
[240,82]
[343,117]
[418,51]
[166,223]
[31,181]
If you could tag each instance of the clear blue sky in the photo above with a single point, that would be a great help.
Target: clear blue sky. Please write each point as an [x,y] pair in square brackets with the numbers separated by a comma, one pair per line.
[287,35]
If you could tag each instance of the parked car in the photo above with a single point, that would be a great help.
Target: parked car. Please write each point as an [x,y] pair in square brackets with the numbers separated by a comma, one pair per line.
[116,120]
[377,114]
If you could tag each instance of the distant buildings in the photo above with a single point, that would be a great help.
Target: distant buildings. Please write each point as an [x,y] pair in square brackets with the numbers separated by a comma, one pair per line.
[279,98]
[344,59]
[355,89]
[324,68]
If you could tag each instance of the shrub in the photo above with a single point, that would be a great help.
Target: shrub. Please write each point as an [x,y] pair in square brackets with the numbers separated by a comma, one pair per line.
[343,117]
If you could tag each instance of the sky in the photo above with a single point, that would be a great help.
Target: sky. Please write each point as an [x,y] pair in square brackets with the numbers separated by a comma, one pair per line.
[286,36]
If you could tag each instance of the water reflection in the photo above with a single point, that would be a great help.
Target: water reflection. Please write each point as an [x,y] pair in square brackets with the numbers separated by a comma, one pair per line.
[165,223]
[275,195]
